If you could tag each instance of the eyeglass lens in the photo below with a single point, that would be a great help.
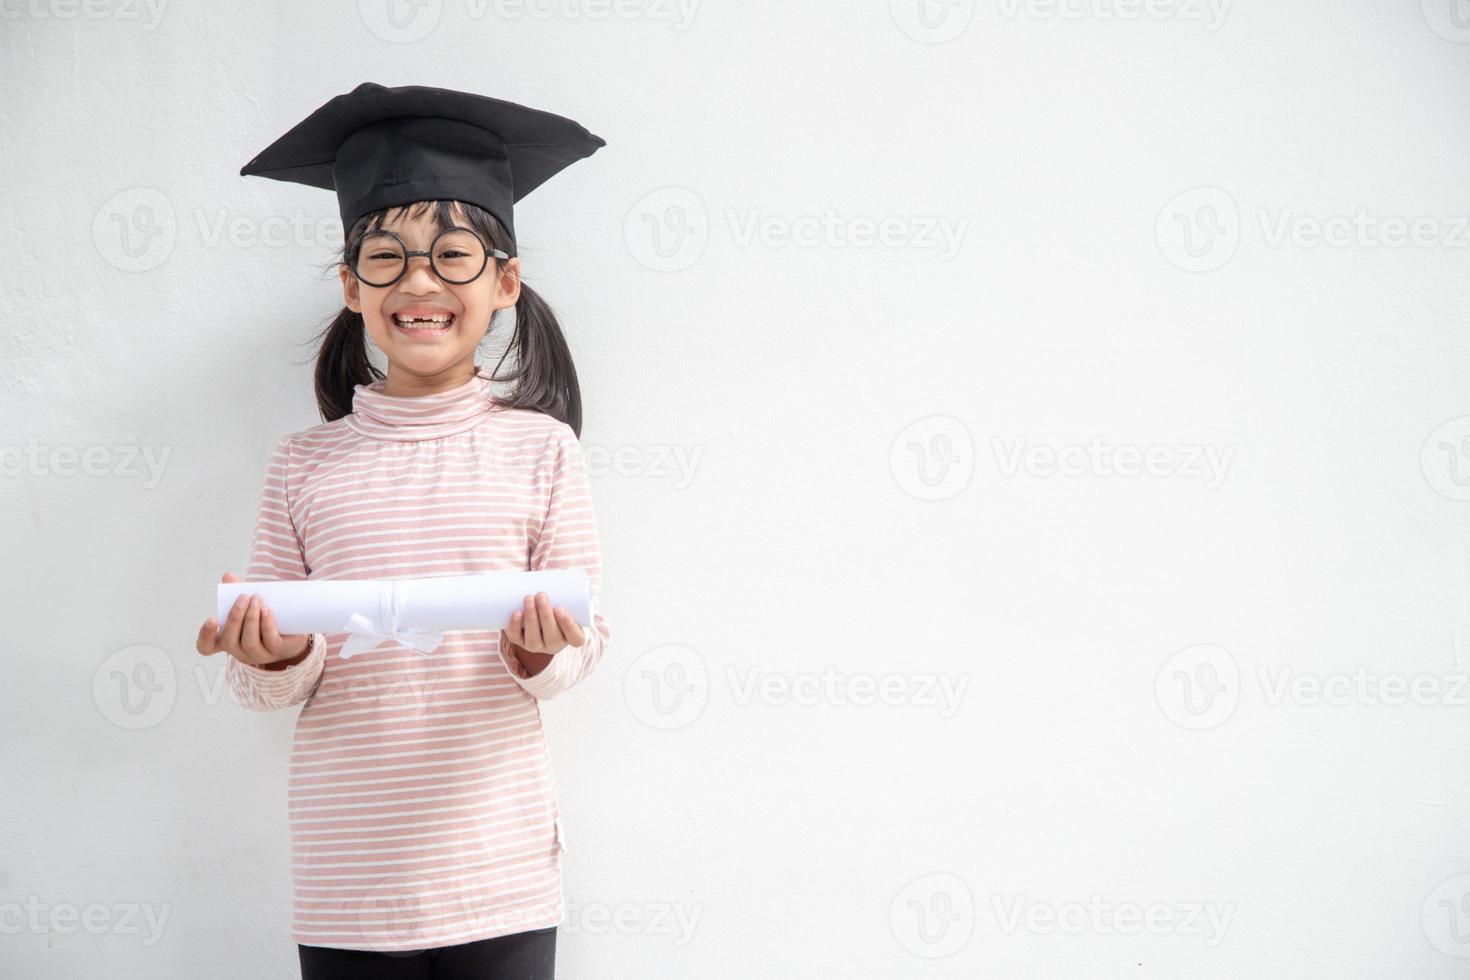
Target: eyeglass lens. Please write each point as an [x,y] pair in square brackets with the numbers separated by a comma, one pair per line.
[457,256]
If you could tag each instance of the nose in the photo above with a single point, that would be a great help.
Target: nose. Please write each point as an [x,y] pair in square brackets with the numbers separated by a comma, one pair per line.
[419,278]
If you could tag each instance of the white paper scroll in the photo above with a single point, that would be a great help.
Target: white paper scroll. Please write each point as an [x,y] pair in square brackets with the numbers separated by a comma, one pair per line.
[414,612]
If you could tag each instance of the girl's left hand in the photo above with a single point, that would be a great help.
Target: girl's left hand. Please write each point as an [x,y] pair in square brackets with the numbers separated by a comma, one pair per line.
[538,628]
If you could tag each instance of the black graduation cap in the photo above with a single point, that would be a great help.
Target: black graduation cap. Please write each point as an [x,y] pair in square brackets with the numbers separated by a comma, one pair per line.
[380,147]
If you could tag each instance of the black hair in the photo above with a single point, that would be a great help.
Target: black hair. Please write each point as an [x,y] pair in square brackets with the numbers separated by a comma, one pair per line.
[543,378]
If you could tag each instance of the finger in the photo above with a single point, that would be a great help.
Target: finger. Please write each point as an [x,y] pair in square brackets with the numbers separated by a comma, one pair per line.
[531,624]
[513,632]
[208,633]
[569,628]
[270,637]
[550,632]
[250,632]
[229,577]
[229,636]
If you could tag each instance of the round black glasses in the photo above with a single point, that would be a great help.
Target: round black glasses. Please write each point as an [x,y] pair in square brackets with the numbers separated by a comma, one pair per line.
[457,255]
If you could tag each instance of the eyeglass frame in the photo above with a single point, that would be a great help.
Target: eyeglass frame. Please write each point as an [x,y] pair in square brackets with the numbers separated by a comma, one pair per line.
[409,253]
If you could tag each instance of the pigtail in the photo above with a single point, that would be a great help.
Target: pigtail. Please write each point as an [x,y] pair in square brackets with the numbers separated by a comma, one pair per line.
[342,364]
[545,379]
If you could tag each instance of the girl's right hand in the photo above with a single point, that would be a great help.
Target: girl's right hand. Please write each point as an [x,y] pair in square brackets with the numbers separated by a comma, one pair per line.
[249,634]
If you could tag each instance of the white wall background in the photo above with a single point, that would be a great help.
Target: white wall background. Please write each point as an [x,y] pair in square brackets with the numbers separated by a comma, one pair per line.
[1135,773]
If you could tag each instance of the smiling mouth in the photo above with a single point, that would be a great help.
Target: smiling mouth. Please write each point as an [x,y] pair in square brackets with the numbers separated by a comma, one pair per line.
[424,326]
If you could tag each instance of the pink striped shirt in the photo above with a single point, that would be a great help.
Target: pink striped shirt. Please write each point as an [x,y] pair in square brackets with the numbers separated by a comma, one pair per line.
[422,804]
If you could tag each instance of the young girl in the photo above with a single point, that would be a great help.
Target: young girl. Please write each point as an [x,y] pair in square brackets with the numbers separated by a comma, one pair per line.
[426,836]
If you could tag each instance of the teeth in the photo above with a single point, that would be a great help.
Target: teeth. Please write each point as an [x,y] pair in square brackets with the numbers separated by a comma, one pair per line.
[439,320]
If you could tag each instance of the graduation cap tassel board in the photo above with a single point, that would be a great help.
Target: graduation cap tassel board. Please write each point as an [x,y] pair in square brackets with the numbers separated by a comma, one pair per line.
[382,147]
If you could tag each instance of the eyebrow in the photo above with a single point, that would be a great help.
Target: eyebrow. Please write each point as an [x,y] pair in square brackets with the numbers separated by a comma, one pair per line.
[409,238]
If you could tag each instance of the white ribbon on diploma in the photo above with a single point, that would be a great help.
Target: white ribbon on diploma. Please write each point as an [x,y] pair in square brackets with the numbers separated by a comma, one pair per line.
[369,632]
[412,612]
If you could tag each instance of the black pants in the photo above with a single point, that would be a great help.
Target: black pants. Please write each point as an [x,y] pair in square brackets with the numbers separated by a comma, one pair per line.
[520,956]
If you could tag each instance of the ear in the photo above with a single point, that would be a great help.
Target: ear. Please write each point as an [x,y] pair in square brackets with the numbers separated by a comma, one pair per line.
[509,283]
[351,288]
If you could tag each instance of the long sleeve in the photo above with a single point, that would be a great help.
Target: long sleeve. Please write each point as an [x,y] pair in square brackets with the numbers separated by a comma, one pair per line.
[276,554]
[567,539]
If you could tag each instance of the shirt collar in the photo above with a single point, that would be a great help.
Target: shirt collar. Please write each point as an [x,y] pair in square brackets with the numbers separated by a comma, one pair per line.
[417,417]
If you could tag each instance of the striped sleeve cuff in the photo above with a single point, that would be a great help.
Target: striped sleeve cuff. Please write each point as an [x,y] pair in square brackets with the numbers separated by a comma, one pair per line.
[270,690]
[562,671]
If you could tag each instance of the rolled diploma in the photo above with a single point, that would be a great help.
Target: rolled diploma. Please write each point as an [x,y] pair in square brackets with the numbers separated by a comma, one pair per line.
[437,604]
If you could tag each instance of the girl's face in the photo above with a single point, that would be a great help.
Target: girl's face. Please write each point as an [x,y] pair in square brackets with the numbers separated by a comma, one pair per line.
[425,357]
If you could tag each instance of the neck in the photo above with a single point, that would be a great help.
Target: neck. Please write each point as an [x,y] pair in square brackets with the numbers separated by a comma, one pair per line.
[402,383]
